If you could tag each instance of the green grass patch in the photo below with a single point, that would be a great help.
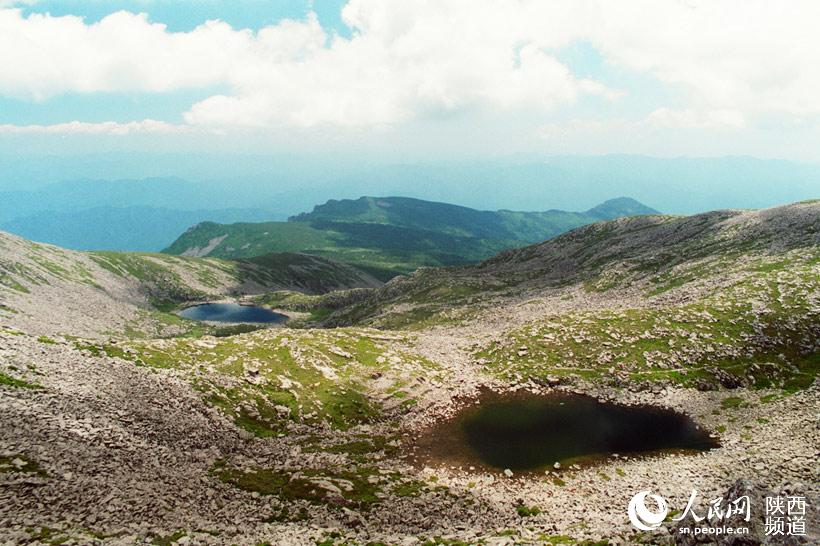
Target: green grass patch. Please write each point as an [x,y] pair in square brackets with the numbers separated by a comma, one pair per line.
[412,488]
[339,487]
[527,511]
[273,376]
[732,402]
[10,381]
[168,540]
[20,464]
[47,535]
[106,349]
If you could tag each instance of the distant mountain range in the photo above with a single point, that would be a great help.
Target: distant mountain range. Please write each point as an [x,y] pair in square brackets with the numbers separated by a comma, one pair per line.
[163,192]
[137,215]
[286,185]
[388,236]
[147,214]
[138,228]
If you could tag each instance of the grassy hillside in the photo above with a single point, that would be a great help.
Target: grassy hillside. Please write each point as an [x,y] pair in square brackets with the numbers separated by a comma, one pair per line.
[383,251]
[303,273]
[392,235]
[320,376]
[760,331]
[728,296]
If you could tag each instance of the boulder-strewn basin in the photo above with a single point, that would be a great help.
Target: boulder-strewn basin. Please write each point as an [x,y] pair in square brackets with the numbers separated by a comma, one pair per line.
[232,312]
[527,432]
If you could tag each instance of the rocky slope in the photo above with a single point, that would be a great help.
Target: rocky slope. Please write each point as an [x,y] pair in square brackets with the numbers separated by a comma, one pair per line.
[650,260]
[301,436]
[47,289]
[729,297]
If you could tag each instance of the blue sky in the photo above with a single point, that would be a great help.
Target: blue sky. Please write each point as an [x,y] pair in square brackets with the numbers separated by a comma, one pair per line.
[184,15]
[411,79]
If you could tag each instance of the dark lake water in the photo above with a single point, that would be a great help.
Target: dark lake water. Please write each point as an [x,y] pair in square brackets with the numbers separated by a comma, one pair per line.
[232,312]
[528,432]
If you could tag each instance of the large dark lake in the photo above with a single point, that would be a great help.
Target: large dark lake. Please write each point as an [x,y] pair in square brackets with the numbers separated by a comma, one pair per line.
[528,432]
[232,312]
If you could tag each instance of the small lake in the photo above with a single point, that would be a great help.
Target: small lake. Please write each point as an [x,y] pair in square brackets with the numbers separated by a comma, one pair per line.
[232,312]
[528,432]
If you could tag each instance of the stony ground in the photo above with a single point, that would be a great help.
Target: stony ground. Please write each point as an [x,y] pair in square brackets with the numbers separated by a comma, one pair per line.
[169,434]
[117,452]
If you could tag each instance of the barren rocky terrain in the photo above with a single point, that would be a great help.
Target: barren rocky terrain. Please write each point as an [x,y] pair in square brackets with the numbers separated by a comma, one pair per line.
[123,423]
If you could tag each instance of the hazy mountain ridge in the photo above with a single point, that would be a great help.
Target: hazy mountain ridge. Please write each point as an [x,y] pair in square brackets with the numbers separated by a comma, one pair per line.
[125,215]
[393,235]
[279,187]
[160,192]
[464,221]
[136,228]
[288,185]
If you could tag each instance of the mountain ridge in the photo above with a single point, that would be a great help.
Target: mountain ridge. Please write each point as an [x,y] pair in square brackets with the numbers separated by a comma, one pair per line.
[653,254]
[387,236]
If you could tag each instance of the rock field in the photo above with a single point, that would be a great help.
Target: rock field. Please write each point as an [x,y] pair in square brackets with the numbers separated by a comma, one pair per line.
[124,424]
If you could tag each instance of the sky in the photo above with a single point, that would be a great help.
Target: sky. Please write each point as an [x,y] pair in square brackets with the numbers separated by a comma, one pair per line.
[412,80]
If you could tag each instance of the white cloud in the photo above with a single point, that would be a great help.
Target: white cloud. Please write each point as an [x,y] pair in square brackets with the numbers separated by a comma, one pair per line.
[731,60]
[403,62]
[748,56]
[102,128]
[659,122]
[44,56]
[696,119]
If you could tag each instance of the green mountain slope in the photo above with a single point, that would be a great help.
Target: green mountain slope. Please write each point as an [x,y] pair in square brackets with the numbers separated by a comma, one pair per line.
[393,235]
[303,273]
